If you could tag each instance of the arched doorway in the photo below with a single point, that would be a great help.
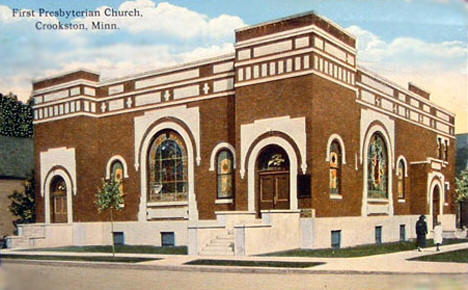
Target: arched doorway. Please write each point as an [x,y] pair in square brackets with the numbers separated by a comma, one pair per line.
[435,204]
[58,200]
[273,179]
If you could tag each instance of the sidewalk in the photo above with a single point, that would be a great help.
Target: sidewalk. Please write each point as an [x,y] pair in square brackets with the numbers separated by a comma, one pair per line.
[394,263]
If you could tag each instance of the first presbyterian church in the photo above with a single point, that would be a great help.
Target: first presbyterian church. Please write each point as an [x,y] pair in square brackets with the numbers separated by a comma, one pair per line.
[285,143]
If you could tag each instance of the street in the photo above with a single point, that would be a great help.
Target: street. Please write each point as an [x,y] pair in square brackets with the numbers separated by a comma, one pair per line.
[15,276]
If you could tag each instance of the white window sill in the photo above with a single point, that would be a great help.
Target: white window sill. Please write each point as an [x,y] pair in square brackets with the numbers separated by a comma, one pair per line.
[336,196]
[445,204]
[378,200]
[223,201]
[167,203]
[401,201]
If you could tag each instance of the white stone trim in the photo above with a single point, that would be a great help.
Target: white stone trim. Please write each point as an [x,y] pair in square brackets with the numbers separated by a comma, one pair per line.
[435,179]
[111,160]
[189,116]
[224,201]
[401,89]
[219,147]
[293,170]
[296,32]
[391,98]
[373,107]
[46,187]
[294,128]
[343,149]
[170,69]
[401,157]
[60,156]
[137,109]
[141,125]
[367,117]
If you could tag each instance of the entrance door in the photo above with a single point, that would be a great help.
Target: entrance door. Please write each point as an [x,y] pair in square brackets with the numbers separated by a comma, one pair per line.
[273,179]
[58,201]
[435,205]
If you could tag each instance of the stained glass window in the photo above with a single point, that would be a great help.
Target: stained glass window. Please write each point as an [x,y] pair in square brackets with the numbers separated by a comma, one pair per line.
[167,168]
[225,174]
[335,168]
[401,180]
[117,174]
[377,168]
[273,158]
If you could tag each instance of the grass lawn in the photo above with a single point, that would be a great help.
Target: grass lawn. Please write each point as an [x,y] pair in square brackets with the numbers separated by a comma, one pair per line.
[460,256]
[118,249]
[360,251]
[207,262]
[74,258]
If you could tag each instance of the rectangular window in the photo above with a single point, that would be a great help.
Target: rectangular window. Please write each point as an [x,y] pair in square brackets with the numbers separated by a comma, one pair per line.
[119,239]
[378,234]
[336,239]
[303,185]
[167,239]
[402,233]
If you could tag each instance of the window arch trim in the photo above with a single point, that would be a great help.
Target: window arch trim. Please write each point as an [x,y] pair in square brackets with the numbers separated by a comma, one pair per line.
[220,146]
[336,137]
[111,161]
[403,159]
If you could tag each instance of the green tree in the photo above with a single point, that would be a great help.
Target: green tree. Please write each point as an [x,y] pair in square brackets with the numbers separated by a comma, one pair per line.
[15,117]
[109,197]
[23,204]
[462,185]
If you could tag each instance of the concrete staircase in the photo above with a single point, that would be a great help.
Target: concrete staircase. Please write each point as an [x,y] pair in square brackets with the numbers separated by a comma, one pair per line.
[27,236]
[222,245]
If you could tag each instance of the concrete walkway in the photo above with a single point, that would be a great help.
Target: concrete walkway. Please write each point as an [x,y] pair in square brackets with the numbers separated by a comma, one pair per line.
[394,263]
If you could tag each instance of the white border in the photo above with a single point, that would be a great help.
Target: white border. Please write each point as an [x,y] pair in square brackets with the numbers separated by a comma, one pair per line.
[293,170]
[111,160]
[219,147]
[50,176]
[343,149]
[142,155]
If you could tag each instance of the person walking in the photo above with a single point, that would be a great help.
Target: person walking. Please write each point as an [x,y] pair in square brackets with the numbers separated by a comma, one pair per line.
[438,235]
[421,231]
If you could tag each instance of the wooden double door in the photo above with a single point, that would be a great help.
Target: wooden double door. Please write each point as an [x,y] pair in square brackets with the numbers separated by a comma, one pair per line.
[273,190]
[58,201]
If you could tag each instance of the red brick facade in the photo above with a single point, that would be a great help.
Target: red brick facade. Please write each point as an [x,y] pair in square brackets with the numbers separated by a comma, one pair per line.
[311,74]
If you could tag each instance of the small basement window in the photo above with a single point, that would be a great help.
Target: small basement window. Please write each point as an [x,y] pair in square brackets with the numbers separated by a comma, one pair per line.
[402,233]
[336,239]
[119,239]
[167,239]
[378,234]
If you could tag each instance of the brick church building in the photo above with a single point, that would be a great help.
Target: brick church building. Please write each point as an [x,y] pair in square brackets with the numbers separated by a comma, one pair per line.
[285,143]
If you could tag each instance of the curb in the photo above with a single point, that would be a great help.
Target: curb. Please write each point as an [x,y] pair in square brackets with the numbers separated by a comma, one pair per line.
[213,269]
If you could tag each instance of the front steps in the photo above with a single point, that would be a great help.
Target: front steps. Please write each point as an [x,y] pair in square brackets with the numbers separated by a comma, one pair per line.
[27,236]
[222,245]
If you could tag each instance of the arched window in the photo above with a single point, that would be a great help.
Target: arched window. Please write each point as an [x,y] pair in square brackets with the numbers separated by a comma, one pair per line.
[167,168]
[335,168]
[225,174]
[401,180]
[117,174]
[377,168]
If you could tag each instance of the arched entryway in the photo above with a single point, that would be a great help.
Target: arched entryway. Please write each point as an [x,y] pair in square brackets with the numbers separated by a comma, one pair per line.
[272,175]
[435,204]
[58,200]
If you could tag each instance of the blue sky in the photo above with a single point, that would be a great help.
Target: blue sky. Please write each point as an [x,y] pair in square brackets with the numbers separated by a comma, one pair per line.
[424,41]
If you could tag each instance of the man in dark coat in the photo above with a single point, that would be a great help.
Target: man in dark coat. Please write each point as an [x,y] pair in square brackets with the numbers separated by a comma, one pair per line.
[421,231]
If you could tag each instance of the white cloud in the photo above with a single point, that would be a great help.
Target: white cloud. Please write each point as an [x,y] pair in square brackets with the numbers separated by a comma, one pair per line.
[168,19]
[440,68]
